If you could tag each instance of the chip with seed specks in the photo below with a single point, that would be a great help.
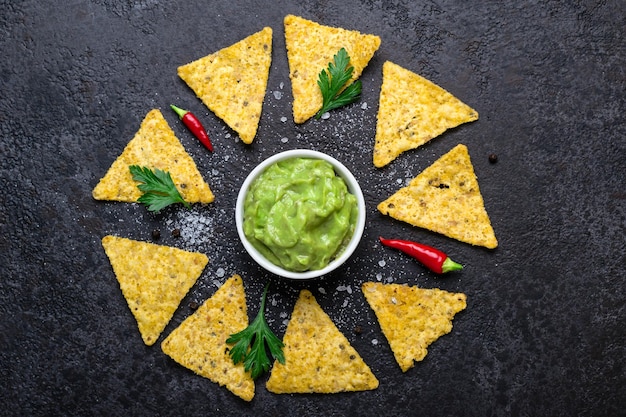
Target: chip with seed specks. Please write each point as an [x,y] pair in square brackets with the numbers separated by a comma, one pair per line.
[318,357]
[199,343]
[153,279]
[412,318]
[232,82]
[445,199]
[154,146]
[310,48]
[412,111]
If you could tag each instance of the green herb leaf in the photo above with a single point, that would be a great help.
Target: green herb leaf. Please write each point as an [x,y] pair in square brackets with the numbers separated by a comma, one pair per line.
[249,344]
[158,188]
[332,81]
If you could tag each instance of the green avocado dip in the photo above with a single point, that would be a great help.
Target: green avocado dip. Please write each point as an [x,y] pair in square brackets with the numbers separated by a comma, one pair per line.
[299,214]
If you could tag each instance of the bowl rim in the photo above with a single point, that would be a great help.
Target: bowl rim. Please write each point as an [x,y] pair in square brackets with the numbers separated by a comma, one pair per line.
[353,187]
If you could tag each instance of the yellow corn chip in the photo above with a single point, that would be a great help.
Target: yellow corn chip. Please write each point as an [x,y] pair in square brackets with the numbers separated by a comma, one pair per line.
[232,82]
[412,111]
[153,279]
[318,357]
[199,343]
[412,318]
[310,47]
[445,198]
[154,146]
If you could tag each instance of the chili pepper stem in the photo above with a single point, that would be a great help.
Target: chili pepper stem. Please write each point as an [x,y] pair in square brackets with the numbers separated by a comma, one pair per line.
[449,265]
[180,112]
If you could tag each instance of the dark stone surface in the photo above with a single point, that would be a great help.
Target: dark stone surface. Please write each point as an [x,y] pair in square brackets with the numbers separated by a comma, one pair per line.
[544,331]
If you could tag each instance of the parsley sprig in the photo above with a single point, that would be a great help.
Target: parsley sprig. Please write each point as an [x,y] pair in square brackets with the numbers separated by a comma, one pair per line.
[158,188]
[332,80]
[250,344]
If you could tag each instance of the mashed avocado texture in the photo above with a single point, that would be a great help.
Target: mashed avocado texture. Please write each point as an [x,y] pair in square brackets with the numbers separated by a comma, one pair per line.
[299,214]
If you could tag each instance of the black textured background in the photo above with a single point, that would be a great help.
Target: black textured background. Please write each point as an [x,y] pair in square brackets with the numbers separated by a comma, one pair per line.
[544,330]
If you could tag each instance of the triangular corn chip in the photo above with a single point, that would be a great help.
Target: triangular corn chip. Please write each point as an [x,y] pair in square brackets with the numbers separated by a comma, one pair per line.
[232,82]
[310,48]
[412,318]
[445,198]
[318,357]
[199,343]
[412,111]
[154,146]
[153,279]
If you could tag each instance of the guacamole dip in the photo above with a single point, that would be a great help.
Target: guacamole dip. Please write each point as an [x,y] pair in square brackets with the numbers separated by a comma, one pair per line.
[299,214]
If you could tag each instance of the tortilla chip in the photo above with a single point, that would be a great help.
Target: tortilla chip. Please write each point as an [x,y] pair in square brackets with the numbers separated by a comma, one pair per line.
[154,146]
[310,47]
[445,198]
[232,82]
[412,111]
[318,357]
[153,279]
[199,343]
[412,318]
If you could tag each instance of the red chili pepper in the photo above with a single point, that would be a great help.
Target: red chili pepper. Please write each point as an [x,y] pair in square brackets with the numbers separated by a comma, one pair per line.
[432,258]
[192,122]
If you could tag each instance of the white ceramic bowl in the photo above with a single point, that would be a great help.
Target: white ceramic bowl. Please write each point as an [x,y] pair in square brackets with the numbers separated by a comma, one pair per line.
[353,188]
